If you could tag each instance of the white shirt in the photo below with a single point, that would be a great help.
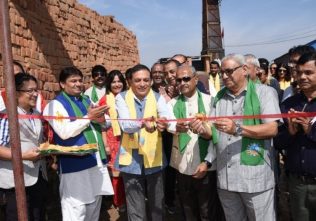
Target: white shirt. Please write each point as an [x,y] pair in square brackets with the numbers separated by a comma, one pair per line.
[187,162]
[100,92]
[81,187]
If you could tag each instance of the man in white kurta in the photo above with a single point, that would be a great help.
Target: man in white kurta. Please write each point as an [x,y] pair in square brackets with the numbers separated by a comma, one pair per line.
[197,187]
[83,179]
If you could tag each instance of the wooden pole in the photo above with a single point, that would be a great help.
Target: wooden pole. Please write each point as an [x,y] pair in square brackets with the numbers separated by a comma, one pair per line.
[11,106]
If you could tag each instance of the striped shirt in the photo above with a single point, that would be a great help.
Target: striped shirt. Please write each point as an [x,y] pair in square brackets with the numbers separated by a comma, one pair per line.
[4,132]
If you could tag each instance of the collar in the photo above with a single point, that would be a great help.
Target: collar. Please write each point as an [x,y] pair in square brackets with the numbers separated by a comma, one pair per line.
[193,98]
[242,93]
[217,75]
[138,100]
[99,88]
[24,111]
[75,98]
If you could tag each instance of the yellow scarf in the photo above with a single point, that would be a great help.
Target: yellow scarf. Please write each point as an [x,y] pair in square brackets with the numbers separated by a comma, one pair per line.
[284,84]
[215,83]
[148,144]
[110,100]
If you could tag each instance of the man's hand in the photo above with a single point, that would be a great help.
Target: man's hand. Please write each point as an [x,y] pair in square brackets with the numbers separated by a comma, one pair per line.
[149,125]
[225,125]
[172,91]
[31,154]
[163,92]
[200,171]
[294,124]
[201,127]
[305,122]
[182,127]
[161,124]
[97,113]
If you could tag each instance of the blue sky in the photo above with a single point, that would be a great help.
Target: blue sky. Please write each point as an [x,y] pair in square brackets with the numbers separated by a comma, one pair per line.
[166,27]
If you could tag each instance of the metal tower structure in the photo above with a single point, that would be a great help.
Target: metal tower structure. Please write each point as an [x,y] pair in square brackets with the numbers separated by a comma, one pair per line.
[212,46]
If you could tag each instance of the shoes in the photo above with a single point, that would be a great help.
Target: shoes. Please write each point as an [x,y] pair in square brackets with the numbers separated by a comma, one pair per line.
[170,209]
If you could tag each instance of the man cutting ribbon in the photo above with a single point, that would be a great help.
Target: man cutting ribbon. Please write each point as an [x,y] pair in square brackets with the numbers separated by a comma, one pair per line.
[245,157]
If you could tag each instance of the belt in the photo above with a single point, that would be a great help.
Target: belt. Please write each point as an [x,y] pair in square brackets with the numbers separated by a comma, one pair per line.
[305,179]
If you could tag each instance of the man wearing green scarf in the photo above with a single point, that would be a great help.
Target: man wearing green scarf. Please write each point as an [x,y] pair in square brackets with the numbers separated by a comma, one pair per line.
[83,179]
[197,188]
[245,160]
[97,90]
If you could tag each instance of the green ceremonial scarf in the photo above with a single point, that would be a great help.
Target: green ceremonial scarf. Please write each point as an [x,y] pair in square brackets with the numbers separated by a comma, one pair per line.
[252,151]
[179,110]
[88,133]
[94,95]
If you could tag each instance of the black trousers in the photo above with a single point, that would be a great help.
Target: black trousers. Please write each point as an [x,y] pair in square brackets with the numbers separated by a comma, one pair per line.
[36,201]
[199,197]
[170,173]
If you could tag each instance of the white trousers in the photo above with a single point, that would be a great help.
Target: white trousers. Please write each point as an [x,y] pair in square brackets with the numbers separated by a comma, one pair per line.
[85,212]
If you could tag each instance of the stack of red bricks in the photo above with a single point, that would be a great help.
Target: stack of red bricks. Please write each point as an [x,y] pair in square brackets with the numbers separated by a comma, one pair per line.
[48,35]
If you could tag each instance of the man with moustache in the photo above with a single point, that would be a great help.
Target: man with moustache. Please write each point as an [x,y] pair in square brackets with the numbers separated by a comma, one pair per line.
[170,68]
[196,177]
[295,53]
[141,158]
[245,161]
[97,90]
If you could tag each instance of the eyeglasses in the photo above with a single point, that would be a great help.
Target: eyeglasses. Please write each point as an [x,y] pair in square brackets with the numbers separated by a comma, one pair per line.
[229,71]
[29,91]
[184,79]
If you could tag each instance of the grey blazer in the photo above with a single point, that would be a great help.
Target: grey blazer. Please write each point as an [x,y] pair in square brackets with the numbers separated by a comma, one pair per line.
[31,136]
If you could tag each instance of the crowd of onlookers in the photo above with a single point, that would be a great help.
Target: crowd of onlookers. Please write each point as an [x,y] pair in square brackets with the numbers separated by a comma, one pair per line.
[157,142]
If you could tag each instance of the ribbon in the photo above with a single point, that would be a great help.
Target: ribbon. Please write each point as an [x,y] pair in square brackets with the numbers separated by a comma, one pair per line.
[207,118]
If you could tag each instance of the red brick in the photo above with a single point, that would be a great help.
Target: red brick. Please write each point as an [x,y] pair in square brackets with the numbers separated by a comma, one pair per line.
[69,34]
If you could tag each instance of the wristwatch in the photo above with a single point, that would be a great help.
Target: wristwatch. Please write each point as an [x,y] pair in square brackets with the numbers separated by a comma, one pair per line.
[238,130]
[208,164]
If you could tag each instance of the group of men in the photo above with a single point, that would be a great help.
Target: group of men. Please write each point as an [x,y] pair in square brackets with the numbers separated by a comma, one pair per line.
[233,154]
[223,168]
[241,149]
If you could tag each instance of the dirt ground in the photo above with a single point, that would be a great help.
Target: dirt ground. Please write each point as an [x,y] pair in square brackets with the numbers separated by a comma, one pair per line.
[109,213]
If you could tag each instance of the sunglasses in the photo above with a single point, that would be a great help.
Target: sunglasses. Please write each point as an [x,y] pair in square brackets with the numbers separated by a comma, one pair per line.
[101,74]
[282,70]
[184,79]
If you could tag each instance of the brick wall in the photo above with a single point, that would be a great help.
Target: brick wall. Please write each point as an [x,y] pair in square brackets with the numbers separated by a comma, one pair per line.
[48,35]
